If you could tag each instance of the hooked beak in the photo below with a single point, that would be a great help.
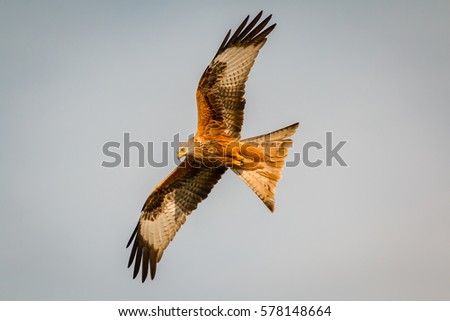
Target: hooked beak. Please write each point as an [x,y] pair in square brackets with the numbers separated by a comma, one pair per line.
[181,154]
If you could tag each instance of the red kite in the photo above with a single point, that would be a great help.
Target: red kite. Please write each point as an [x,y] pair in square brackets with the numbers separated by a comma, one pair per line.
[217,146]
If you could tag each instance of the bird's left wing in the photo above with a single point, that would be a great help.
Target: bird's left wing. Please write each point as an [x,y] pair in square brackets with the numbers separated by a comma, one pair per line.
[165,211]
[220,93]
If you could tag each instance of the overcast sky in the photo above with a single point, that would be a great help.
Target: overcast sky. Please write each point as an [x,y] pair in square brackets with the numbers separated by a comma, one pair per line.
[75,75]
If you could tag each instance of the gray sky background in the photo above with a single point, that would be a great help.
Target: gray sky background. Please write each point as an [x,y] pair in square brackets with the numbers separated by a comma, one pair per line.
[74,75]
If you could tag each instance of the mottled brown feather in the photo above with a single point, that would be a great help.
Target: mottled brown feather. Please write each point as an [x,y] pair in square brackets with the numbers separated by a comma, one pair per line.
[165,211]
[220,93]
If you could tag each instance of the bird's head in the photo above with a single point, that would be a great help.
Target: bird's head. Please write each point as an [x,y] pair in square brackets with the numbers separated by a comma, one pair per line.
[186,148]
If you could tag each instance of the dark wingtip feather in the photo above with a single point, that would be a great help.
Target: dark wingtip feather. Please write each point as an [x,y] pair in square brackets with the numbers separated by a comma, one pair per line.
[254,33]
[145,260]
[144,256]
[137,263]
[264,34]
[223,44]
[133,253]
[133,235]
[236,34]
[153,262]
[250,25]
[250,34]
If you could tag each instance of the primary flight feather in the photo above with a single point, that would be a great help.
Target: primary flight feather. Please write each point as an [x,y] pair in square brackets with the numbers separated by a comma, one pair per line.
[216,146]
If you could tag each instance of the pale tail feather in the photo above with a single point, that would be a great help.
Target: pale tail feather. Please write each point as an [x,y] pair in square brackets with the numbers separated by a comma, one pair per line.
[263,181]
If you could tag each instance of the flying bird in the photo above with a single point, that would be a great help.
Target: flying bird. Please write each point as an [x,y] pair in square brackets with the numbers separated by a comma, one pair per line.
[216,146]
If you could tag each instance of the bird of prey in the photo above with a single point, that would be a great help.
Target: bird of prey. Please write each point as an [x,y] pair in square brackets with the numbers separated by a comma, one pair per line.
[216,146]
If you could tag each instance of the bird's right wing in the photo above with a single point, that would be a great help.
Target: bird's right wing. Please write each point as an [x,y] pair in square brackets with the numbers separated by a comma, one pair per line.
[165,211]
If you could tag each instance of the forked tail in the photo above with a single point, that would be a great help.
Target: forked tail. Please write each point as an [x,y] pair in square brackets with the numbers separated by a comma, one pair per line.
[274,147]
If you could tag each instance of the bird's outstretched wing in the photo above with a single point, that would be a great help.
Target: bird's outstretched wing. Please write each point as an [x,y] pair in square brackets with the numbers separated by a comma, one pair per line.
[220,93]
[165,211]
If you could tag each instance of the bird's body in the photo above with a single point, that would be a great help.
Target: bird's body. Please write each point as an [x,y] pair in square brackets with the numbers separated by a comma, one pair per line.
[216,147]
